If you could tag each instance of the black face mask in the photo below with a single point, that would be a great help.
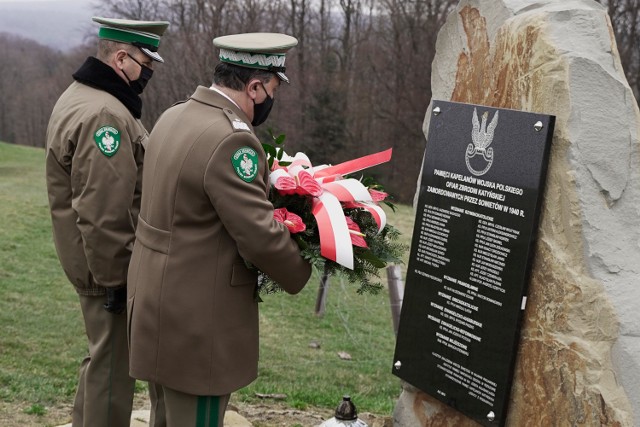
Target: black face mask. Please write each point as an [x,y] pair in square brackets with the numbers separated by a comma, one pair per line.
[261,111]
[140,83]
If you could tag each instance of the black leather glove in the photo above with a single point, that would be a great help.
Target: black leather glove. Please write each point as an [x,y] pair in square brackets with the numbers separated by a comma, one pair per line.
[116,300]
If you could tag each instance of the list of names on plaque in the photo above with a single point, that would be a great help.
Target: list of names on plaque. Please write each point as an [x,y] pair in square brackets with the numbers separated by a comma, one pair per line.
[490,252]
[434,236]
[475,221]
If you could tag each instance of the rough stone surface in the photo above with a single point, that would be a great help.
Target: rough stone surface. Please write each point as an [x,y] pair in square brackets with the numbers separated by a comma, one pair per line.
[579,357]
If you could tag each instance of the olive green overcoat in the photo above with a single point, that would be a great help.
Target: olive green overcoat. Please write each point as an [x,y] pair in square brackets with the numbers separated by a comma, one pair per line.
[94,193]
[193,315]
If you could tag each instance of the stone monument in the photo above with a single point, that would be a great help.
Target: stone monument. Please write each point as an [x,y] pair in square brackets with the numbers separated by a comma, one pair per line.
[579,355]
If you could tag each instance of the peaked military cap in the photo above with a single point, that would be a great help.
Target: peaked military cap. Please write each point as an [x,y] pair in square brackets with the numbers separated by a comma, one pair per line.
[263,51]
[142,34]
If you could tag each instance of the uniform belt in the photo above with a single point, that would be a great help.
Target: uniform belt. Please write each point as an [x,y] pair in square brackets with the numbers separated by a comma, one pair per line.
[153,238]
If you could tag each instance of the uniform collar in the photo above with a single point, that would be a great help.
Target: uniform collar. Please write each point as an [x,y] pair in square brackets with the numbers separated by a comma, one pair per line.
[225,95]
[217,99]
[99,75]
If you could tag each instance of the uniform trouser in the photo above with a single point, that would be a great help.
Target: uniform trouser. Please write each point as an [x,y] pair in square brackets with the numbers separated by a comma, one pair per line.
[105,389]
[187,410]
[158,416]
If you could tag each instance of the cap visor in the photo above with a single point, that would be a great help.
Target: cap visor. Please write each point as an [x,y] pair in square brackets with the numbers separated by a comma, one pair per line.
[153,55]
[282,77]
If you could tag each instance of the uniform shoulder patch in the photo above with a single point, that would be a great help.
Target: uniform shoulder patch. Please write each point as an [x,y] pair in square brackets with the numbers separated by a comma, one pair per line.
[236,122]
[108,140]
[245,163]
[239,124]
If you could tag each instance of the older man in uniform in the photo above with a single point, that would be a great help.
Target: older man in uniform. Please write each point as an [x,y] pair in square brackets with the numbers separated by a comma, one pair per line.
[95,148]
[193,315]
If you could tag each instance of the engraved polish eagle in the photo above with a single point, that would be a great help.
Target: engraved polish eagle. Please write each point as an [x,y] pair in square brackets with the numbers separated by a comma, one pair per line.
[482,135]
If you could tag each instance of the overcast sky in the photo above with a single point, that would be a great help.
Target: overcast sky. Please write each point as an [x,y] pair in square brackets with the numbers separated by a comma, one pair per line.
[60,24]
[33,1]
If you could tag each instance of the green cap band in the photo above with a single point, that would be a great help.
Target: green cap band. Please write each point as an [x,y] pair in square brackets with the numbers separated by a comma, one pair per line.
[128,36]
[264,51]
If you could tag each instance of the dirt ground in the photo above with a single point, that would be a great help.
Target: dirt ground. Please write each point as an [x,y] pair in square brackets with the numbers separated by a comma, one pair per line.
[12,415]
[273,415]
[267,414]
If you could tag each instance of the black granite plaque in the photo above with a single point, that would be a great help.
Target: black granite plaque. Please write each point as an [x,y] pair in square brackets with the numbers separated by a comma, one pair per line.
[482,180]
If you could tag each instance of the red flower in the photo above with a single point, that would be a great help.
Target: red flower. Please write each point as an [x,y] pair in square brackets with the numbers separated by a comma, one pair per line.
[307,185]
[286,185]
[357,238]
[377,196]
[302,184]
[292,221]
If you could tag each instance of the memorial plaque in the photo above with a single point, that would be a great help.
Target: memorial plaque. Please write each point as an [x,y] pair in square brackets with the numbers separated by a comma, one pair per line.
[476,219]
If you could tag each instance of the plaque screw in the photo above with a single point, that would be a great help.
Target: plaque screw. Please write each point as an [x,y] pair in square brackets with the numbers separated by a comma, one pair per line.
[538,126]
[397,365]
[436,111]
[491,416]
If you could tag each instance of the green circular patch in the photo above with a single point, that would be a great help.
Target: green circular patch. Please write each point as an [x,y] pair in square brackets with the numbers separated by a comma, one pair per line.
[245,163]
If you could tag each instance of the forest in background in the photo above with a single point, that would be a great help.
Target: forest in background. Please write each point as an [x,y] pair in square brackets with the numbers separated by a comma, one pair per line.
[361,73]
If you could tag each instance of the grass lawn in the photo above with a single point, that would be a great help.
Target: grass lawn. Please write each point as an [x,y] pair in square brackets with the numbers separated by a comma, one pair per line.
[42,340]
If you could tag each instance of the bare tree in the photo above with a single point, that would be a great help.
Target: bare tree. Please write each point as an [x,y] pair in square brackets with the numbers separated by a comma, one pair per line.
[132,9]
[30,81]
[361,73]
[625,19]
[406,35]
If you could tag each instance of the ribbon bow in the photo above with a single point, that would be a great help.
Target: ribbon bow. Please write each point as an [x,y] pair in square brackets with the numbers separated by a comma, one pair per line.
[330,191]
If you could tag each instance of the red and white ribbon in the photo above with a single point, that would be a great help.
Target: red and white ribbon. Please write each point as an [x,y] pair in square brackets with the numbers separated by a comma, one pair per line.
[330,190]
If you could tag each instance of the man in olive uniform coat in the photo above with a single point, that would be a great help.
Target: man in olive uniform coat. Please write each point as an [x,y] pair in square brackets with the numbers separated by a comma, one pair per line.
[95,148]
[193,314]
